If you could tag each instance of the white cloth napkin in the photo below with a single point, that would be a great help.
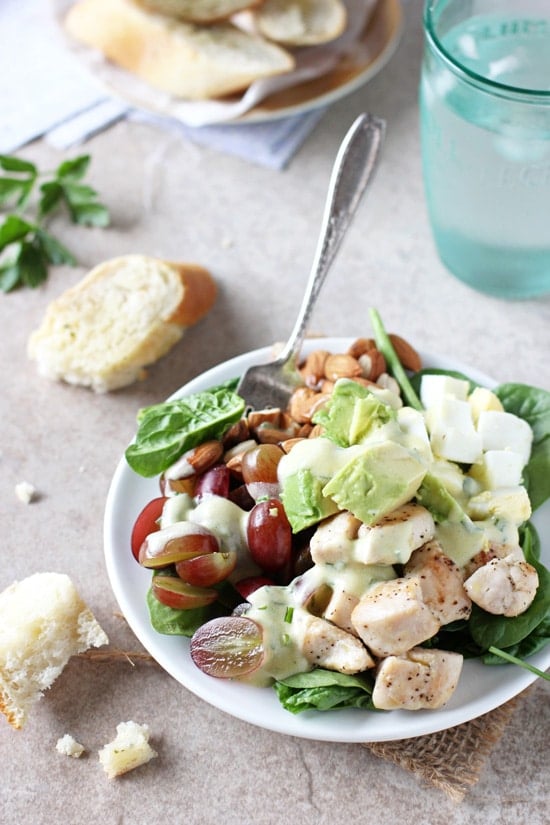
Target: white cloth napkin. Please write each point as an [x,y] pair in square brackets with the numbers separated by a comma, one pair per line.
[46,92]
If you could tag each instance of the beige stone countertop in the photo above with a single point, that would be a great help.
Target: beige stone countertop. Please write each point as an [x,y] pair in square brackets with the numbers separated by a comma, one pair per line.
[256,230]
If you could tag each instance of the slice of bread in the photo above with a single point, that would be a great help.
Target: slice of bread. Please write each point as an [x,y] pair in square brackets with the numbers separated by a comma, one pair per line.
[301,22]
[43,622]
[124,315]
[128,750]
[181,59]
[198,11]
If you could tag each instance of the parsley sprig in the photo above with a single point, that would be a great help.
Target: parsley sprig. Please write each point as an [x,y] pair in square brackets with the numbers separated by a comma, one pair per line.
[27,248]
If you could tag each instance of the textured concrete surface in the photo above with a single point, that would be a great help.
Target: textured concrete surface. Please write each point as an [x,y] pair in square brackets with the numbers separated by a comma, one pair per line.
[256,230]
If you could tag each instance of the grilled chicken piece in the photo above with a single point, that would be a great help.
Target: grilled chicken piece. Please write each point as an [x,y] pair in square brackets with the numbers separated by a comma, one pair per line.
[328,646]
[505,587]
[441,581]
[419,679]
[494,551]
[392,617]
[392,539]
[334,539]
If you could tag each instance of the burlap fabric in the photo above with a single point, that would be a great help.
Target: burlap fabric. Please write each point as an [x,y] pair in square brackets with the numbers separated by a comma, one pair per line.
[451,760]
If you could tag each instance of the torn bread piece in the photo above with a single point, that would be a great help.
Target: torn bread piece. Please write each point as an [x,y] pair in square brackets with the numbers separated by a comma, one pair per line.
[301,22]
[123,316]
[128,750]
[181,59]
[198,11]
[43,622]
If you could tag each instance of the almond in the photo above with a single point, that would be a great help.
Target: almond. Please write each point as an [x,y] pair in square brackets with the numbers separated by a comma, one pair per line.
[301,403]
[258,417]
[290,443]
[205,455]
[408,356]
[313,368]
[372,363]
[237,433]
[360,346]
[342,366]
[274,435]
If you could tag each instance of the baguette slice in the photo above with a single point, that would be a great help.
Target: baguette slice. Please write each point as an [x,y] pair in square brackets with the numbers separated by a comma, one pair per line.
[43,622]
[198,11]
[181,59]
[301,22]
[125,314]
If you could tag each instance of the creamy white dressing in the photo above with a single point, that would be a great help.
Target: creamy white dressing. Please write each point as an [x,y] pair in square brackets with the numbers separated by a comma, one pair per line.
[321,456]
[222,517]
[284,620]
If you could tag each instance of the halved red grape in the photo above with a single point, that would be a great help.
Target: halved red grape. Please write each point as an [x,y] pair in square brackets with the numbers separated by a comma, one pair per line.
[269,535]
[228,647]
[180,541]
[207,569]
[251,583]
[173,592]
[147,522]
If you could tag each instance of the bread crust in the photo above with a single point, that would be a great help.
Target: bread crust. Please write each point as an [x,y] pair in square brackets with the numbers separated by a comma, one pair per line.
[301,22]
[199,295]
[121,317]
[182,59]
[198,11]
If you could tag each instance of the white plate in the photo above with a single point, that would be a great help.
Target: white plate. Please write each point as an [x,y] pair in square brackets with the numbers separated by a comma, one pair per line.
[481,687]
[368,56]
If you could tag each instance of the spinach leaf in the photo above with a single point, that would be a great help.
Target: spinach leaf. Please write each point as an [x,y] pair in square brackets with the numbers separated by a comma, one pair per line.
[488,630]
[166,431]
[533,405]
[536,640]
[321,689]
[172,622]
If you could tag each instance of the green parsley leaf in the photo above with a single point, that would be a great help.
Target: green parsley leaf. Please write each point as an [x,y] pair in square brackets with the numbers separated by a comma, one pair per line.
[71,170]
[27,247]
[13,229]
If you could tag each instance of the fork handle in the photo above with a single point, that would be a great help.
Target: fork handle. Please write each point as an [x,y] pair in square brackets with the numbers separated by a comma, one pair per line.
[353,168]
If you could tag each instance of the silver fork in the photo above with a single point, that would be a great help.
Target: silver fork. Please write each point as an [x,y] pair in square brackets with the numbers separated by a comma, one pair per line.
[271,385]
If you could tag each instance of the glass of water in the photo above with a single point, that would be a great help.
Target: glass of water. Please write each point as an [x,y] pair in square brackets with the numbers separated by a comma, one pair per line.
[485,134]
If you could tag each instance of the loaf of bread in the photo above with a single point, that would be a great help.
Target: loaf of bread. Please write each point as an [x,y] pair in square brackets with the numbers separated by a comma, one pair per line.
[301,22]
[128,750]
[198,11]
[124,315]
[181,59]
[43,622]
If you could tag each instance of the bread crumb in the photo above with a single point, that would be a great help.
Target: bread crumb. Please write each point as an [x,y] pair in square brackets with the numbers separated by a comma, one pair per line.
[68,746]
[128,750]
[25,492]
